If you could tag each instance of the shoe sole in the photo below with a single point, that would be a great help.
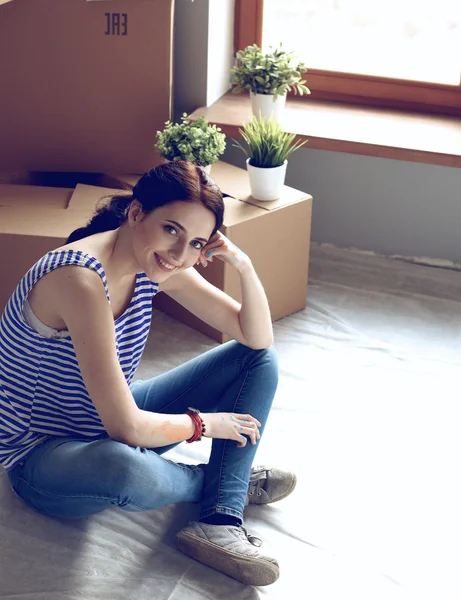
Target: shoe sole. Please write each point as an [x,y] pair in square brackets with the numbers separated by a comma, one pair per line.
[287,493]
[249,571]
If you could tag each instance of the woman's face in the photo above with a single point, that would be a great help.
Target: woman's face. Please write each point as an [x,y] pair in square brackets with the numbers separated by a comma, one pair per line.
[169,238]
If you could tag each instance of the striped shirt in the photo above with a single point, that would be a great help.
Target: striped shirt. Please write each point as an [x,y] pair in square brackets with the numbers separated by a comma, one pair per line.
[42,392]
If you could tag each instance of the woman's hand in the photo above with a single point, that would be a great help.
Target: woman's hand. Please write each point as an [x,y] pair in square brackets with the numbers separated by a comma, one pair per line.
[231,426]
[221,247]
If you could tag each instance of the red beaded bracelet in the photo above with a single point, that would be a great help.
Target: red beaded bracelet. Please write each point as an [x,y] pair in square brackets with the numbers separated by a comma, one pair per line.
[199,425]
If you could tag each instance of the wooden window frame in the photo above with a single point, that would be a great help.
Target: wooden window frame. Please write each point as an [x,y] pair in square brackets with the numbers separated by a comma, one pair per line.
[353,88]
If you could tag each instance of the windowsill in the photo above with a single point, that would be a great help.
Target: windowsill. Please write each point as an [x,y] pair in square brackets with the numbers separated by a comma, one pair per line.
[386,133]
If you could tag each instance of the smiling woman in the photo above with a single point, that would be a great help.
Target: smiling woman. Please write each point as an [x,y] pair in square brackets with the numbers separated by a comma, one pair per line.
[78,435]
[169,238]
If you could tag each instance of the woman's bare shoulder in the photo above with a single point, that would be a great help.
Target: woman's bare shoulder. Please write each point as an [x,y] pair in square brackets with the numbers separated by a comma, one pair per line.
[63,286]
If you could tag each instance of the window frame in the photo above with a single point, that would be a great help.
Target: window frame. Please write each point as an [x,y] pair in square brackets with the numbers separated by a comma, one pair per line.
[350,87]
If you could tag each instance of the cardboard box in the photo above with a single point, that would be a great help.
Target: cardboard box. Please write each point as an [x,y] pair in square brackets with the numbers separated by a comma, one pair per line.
[276,236]
[33,221]
[85,84]
[85,198]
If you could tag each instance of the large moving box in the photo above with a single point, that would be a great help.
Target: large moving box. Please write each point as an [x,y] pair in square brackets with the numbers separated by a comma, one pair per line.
[85,84]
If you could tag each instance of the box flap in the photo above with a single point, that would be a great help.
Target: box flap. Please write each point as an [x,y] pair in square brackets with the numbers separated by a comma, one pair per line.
[32,196]
[86,197]
[232,180]
[237,212]
[289,196]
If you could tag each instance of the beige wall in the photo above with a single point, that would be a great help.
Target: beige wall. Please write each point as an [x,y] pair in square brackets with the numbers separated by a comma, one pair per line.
[203,52]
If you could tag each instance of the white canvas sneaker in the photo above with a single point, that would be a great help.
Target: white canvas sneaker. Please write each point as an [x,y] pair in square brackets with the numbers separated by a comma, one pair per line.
[228,549]
[269,485]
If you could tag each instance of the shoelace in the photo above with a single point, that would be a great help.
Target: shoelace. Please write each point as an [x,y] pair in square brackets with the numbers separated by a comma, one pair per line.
[257,482]
[255,541]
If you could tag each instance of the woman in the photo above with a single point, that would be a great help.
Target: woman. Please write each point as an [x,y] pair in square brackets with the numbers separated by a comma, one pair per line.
[77,436]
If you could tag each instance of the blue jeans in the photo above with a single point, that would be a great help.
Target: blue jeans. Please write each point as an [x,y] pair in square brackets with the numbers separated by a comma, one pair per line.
[74,477]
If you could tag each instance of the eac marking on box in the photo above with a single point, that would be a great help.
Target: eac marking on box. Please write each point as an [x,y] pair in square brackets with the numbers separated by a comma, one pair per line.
[116,23]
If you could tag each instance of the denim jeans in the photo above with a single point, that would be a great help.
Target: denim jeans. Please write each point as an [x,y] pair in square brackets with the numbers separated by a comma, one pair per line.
[74,477]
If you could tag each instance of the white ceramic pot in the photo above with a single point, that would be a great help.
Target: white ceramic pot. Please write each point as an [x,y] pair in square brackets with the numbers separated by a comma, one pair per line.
[266,184]
[266,105]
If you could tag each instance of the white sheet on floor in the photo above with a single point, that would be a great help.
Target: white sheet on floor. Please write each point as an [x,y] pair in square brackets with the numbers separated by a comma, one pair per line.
[367,413]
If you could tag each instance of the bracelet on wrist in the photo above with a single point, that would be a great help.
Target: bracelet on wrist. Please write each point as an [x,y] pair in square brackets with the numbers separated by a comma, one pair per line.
[199,425]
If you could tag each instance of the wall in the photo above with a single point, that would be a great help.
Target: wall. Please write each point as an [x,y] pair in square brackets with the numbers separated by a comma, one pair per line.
[190,56]
[388,206]
[220,48]
[202,53]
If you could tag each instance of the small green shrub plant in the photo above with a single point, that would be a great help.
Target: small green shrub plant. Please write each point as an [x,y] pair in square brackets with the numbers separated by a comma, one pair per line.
[196,141]
[272,73]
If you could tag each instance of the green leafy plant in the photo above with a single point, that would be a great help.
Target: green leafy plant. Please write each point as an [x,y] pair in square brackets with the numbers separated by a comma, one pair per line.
[196,141]
[267,145]
[273,73]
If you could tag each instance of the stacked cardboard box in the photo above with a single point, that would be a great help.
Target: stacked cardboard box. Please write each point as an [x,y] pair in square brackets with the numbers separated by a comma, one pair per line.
[85,84]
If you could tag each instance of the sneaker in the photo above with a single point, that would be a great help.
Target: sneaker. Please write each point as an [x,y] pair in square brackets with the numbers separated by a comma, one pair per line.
[228,549]
[269,485]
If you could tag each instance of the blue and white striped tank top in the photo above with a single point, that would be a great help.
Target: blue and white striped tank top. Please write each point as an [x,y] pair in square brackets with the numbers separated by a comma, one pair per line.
[42,392]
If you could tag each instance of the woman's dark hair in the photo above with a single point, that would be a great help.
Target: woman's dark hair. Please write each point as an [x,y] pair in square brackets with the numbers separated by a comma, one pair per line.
[169,182]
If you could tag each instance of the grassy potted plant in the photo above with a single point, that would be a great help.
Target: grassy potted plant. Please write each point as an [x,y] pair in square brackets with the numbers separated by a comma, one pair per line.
[267,149]
[196,141]
[268,77]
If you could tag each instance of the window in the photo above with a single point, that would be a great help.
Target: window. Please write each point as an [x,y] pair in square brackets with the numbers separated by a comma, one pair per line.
[398,53]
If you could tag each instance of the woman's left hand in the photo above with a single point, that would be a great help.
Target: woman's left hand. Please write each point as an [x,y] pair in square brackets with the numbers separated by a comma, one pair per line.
[221,247]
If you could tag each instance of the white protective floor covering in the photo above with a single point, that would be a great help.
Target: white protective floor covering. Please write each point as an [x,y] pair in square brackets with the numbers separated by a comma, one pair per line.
[367,413]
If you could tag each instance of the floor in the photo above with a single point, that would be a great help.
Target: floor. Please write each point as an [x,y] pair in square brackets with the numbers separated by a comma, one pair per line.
[368,414]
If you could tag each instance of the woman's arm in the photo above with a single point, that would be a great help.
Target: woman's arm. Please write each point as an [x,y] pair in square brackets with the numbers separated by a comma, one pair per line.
[249,322]
[254,315]
[79,299]
[77,296]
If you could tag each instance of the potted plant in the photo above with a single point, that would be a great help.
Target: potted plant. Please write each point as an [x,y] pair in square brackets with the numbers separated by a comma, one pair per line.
[268,77]
[267,149]
[196,141]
